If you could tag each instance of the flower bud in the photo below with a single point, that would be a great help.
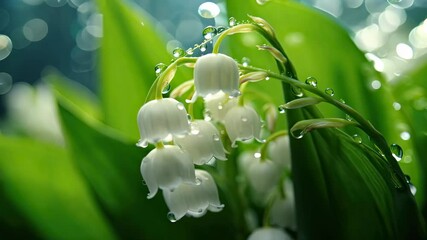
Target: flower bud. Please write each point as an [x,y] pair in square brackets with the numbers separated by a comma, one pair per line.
[214,73]
[268,233]
[159,119]
[166,168]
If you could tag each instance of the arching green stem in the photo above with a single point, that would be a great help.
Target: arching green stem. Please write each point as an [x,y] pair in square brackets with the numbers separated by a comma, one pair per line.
[271,138]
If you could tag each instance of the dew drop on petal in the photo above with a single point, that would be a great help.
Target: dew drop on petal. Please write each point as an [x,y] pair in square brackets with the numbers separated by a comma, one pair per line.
[311,81]
[142,143]
[178,52]
[357,138]
[159,68]
[232,22]
[171,217]
[209,32]
[396,151]
[330,91]
[143,182]
[198,181]
[244,119]
[297,91]
[216,137]
[194,130]
[208,10]
[207,115]
[180,106]
[235,93]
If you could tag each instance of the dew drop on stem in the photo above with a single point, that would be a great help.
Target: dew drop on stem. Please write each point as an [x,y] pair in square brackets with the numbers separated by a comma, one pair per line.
[297,91]
[311,81]
[281,109]
[209,32]
[245,61]
[330,91]
[232,22]
[159,68]
[202,47]
[178,52]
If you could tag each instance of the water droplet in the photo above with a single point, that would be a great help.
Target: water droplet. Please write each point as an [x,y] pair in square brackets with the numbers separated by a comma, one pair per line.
[357,138]
[198,181]
[203,47]
[207,115]
[220,107]
[180,106]
[245,61]
[189,117]
[220,29]
[159,68]
[216,137]
[348,117]
[330,91]
[194,130]
[171,217]
[217,208]
[257,155]
[397,106]
[311,81]
[405,136]
[297,91]
[262,2]
[178,52]
[342,101]
[234,94]
[396,151]
[143,182]
[232,22]
[6,83]
[267,78]
[5,46]
[244,119]
[190,51]
[142,143]
[209,32]
[298,135]
[166,89]
[281,109]
[208,10]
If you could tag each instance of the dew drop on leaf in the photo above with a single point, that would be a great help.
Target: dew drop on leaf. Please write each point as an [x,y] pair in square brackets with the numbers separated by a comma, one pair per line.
[397,151]
[180,106]
[330,91]
[311,81]
[357,138]
[209,32]
[216,137]
[262,2]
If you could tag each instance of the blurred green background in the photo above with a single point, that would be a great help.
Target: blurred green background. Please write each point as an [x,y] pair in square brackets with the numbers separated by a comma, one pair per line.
[69,168]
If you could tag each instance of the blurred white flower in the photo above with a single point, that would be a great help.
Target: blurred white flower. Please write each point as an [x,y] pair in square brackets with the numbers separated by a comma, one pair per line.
[166,168]
[194,199]
[242,123]
[268,233]
[283,209]
[279,151]
[263,175]
[216,72]
[33,111]
[203,143]
[159,119]
[217,106]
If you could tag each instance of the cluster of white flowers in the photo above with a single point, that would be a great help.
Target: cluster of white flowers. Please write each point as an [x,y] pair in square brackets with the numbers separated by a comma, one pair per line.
[183,145]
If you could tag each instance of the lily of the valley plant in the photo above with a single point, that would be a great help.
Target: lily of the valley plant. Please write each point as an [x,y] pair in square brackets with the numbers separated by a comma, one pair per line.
[310,181]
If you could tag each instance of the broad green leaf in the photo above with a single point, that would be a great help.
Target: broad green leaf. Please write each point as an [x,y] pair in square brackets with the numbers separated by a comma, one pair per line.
[411,92]
[111,166]
[130,50]
[43,184]
[319,47]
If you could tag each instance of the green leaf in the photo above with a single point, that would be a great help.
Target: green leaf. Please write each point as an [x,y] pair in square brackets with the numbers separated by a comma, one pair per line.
[43,184]
[130,50]
[321,48]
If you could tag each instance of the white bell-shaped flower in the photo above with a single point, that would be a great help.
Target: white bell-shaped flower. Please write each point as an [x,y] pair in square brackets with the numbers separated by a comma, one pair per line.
[160,119]
[203,143]
[263,175]
[166,168]
[242,123]
[268,233]
[217,106]
[279,151]
[216,72]
[193,199]
[283,209]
